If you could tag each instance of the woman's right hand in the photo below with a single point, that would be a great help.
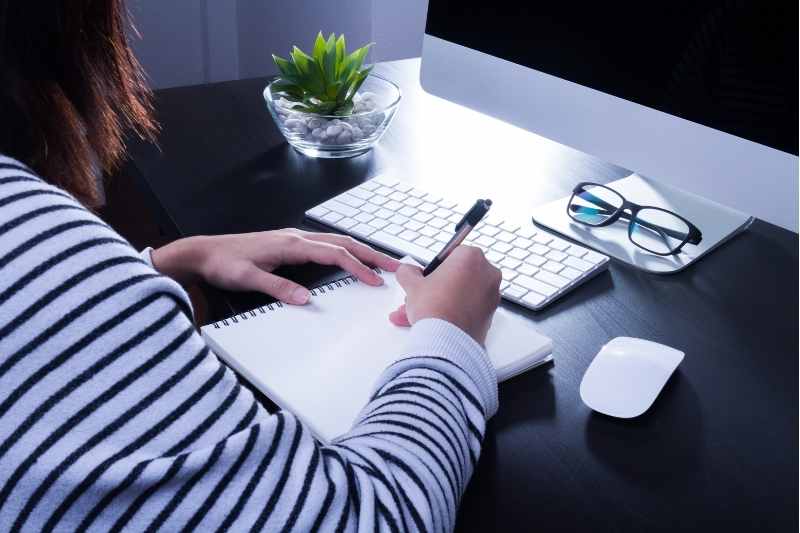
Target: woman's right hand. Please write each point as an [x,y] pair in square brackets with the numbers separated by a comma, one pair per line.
[464,291]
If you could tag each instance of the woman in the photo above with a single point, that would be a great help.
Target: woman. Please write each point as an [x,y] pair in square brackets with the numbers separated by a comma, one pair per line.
[114,414]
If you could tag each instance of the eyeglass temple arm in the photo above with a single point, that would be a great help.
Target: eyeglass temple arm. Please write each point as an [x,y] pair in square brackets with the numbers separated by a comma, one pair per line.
[625,216]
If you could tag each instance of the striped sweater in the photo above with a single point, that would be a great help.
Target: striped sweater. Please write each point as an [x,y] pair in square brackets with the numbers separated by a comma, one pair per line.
[115,415]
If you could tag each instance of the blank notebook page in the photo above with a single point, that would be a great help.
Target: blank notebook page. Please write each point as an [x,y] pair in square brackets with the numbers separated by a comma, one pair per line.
[321,360]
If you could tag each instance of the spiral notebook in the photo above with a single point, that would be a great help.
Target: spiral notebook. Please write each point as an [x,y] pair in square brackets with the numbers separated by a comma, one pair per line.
[322,360]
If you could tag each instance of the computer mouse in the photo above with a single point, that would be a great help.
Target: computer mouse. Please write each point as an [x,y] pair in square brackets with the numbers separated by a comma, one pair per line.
[626,376]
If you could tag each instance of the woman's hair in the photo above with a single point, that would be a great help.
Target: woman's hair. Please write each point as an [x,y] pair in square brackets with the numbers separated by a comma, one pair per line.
[70,86]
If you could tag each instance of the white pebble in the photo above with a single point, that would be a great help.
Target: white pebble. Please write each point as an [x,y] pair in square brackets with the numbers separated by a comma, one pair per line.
[334,130]
[316,122]
[345,137]
[358,134]
[319,133]
[368,129]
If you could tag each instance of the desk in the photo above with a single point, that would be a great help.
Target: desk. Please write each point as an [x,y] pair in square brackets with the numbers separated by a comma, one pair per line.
[720,446]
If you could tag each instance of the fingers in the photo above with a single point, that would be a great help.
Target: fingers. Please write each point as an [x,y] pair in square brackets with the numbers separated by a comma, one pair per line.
[358,250]
[281,288]
[409,276]
[398,317]
[329,254]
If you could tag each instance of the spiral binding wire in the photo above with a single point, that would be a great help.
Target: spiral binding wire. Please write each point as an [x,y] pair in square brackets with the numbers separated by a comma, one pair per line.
[316,291]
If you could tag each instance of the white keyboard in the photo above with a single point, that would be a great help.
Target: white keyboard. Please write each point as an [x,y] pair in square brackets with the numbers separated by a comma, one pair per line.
[537,266]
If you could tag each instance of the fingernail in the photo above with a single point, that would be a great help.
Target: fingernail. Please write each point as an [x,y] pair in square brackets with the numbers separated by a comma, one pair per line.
[300,296]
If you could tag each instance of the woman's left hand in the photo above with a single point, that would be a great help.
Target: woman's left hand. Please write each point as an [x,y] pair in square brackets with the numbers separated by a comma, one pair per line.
[245,261]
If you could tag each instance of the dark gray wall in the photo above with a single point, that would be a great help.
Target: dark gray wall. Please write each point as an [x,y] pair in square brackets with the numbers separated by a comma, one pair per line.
[185,42]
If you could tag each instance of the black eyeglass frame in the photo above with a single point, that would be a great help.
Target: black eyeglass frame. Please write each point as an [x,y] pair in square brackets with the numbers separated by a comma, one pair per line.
[694,235]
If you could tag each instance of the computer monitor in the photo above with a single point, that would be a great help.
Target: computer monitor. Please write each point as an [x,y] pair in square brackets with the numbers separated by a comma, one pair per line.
[699,95]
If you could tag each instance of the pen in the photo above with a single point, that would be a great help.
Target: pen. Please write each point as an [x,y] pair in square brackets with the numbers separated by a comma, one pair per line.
[464,226]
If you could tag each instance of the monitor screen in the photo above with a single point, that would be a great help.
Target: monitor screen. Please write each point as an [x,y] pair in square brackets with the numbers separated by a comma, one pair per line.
[730,65]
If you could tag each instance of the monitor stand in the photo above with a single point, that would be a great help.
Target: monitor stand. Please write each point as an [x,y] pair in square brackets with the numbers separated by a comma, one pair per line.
[717,223]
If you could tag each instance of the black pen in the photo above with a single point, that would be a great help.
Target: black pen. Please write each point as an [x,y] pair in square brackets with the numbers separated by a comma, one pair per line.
[465,225]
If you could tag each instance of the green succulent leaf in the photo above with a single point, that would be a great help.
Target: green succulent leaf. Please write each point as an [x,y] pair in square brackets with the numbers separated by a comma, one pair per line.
[325,81]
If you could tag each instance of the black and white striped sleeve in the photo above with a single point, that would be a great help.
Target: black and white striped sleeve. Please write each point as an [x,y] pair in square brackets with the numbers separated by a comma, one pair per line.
[115,415]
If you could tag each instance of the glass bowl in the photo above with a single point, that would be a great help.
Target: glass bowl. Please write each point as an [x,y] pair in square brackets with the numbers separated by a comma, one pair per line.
[338,136]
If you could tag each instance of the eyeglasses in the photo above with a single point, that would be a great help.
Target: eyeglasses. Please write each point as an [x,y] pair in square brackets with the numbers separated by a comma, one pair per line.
[654,229]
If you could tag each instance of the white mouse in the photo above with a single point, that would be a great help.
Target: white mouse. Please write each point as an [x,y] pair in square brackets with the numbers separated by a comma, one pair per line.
[626,376]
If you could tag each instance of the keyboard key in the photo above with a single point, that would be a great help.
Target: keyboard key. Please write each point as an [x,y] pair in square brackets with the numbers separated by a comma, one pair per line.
[558,244]
[508,274]
[403,187]
[455,218]
[594,258]
[539,249]
[378,223]
[416,193]
[577,251]
[378,199]
[386,180]
[423,217]
[535,260]
[502,247]
[509,226]
[408,211]
[397,195]
[369,208]
[534,299]
[461,209]
[316,212]
[331,217]
[526,232]
[527,269]
[394,229]
[370,185]
[413,225]
[570,273]
[552,266]
[519,253]
[384,191]
[535,285]
[362,230]
[578,264]
[505,236]
[542,238]
[400,246]
[483,240]
[504,285]
[510,262]
[363,217]
[394,205]
[438,223]
[340,208]
[412,202]
[493,219]
[427,242]
[358,192]
[444,236]
[398,219]
[429,231]
[448,204]
[552,279]
[555,255]
[494,257]
[428,207]
[521,242]
[409,235]
[350,200]
[384,213]
[491,231]
[432,198]
[346,223]
[442,212]
[514,291]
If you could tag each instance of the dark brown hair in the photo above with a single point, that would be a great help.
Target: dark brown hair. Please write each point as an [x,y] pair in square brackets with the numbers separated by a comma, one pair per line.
[70,86]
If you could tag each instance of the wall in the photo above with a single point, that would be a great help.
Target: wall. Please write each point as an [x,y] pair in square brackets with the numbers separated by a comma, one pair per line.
[186,42]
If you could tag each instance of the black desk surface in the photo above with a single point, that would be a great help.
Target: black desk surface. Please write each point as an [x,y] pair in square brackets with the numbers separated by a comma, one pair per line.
[720,445]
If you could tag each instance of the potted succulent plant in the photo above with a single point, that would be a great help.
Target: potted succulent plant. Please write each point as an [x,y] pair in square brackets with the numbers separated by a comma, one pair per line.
[327,104]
